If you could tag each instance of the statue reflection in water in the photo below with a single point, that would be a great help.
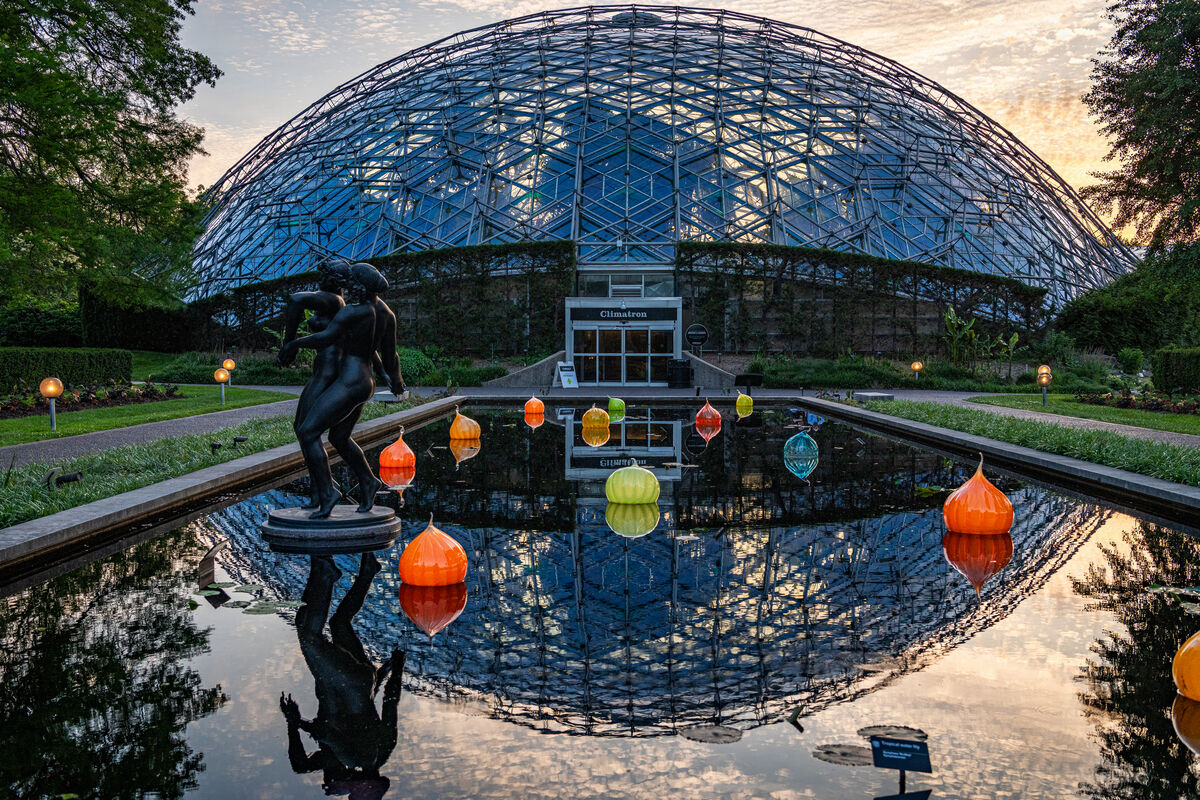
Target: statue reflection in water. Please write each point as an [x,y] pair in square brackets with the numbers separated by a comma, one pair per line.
[353,739]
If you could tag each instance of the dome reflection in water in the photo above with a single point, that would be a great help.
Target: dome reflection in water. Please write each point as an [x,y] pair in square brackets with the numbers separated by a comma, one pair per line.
[752,594]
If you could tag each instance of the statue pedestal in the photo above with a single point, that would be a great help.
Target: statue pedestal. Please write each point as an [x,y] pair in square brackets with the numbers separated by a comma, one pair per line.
[346,530]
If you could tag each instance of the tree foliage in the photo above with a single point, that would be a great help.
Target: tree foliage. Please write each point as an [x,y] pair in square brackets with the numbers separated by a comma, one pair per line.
[1162,295]
[92,159]
[1146,96]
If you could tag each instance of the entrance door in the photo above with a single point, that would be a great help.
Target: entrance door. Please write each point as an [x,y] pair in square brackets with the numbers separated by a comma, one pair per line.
[627,355]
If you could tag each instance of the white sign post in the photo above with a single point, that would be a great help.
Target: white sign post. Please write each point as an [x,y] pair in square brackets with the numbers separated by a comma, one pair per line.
[564,375]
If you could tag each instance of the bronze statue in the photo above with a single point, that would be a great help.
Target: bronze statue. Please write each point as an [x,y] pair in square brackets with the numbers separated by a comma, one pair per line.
[324,304]
[362,336]
[353,739]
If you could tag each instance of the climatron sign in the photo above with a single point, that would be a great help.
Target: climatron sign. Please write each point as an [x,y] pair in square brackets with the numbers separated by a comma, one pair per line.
[624,314]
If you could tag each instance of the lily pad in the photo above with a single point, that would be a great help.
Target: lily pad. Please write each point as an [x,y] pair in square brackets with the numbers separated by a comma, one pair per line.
[222,585]
[846,755]
[287,603]
[237,604]
[249,587]
[259,609]
[712,734]
[894,732]
[208,592]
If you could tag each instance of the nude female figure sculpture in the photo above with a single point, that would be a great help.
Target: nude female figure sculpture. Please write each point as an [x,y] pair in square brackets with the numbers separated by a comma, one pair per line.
[324,304]
[362,332]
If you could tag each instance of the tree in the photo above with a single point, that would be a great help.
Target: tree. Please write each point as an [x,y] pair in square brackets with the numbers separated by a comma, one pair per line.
[92,159]
[1146,97]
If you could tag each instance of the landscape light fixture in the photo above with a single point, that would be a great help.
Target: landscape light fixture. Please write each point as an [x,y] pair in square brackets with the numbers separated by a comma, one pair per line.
[1043,380]
[215,447]
[228,364]
[51,389]
[221,376]
[916,367]
[238,440]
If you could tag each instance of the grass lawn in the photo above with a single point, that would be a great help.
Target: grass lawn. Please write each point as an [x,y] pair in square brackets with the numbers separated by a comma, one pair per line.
[1067,406]
[199,400]
[147,361]
[1158,459]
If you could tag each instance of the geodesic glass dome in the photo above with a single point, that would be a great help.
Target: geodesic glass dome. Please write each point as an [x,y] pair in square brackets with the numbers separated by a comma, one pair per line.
[627,129]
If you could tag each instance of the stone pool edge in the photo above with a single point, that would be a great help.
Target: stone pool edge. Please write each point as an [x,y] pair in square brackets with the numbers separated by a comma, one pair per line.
[1175,501]
[36,537]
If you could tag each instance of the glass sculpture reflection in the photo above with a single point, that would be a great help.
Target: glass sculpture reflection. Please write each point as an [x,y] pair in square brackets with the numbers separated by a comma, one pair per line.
[800,455]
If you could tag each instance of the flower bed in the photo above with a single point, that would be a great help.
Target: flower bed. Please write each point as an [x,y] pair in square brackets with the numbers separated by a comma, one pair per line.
[28,403]
[1142,402]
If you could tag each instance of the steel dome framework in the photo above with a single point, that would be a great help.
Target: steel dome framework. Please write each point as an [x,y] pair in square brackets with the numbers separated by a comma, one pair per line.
[629,128]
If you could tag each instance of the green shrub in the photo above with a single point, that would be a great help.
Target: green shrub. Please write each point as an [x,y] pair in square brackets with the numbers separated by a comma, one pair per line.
[415,366]
[1057,349]
[461,374]
[29,365]
[250,371]
[41,325]
[1131,359]
[1090,367]
[1177,369]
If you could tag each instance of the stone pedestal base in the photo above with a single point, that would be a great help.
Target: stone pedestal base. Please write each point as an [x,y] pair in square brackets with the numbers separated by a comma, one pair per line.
[293,530]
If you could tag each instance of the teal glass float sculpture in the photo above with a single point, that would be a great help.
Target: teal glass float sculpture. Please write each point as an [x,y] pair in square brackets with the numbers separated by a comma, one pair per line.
[800,455]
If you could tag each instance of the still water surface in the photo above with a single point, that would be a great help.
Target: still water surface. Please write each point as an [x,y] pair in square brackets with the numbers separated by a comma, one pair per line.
[765,617]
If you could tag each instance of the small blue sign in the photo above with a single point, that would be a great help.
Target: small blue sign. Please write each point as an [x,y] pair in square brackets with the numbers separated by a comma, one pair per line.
[903,754]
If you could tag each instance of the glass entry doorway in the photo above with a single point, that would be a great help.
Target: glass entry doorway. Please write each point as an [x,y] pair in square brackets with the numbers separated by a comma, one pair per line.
[625,355]
[615,341]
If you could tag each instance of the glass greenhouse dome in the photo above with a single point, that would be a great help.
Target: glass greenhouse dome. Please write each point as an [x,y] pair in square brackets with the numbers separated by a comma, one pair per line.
[627,129]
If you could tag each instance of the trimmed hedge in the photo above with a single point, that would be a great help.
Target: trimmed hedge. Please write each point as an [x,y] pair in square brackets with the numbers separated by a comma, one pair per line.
[1177,369]
[29,365]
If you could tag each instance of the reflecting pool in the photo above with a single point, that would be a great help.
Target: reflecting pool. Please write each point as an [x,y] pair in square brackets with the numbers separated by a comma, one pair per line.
[734,650]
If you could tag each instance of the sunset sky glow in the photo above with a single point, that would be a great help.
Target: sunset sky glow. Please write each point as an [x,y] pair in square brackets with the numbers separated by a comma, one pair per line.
[1025,63]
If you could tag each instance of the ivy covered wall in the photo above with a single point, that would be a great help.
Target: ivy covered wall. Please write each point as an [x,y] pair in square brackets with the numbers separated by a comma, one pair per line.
[809,301]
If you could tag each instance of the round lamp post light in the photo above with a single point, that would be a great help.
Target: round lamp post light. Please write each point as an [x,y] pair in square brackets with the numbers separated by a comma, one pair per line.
[1043,379]
[228,365]
[916,367]
[51,388]
[221,376]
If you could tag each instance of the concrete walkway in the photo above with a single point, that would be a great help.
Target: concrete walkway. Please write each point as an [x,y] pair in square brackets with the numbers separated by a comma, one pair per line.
[1133,432]
[51,450]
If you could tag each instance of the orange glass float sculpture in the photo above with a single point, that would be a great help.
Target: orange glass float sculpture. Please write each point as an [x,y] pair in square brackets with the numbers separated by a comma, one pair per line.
[397,454]
[432,608]
[534,421]
[534,406]
[595,436]
[464,427]
[978,507]
[463,449]
[977,557]
[708,416]
[1185,717]
[595,418]
[433,559]
[1185,668]
[708,422]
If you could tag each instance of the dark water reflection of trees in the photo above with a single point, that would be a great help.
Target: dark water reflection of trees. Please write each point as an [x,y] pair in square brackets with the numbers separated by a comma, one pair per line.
[1129,690]
[95,686]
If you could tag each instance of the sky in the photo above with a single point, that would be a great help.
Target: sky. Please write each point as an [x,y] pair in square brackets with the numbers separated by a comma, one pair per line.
[1024,63]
